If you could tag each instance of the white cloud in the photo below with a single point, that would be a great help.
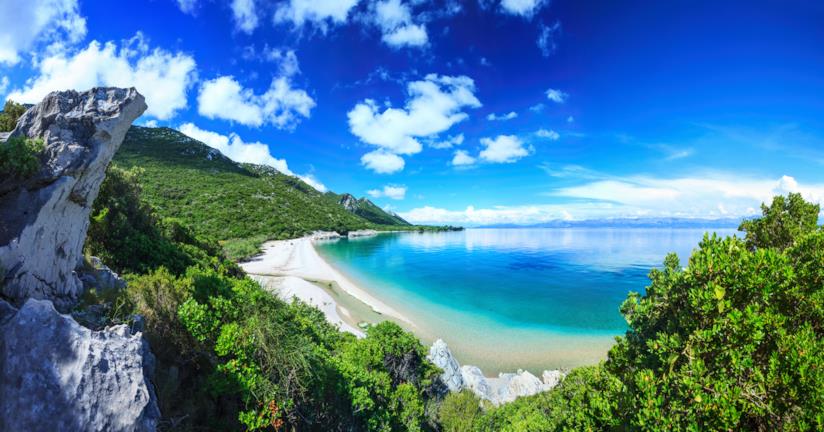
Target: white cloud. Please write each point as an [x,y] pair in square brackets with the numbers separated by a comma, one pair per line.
[150,123]
[525,8]
[27,23]
[162,77]
[538,107]
[233,147]
[286,60]
[408,35]
[382,162]
[503,149]
[711,196]
[556,96]
[281,105]
[319,12]
[570,119]
[433,106]
[187,6]
[546,38]
[462,158]
[449,142]
[245,15]
[395,21]
[504,117]
[394,192]
[550,134]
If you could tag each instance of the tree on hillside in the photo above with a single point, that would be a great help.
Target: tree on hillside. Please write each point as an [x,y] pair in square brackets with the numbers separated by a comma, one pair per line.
[8,117]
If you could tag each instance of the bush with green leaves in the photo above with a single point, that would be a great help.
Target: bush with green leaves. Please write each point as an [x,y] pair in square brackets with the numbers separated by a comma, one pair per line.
[734,340]
[8,117]
[19,157]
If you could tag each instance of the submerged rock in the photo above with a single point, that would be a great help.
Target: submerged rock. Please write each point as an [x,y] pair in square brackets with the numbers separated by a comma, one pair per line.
[44,218]
[56,375]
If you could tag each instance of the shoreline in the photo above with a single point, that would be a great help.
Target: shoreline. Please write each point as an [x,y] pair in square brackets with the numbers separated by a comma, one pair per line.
[310,278]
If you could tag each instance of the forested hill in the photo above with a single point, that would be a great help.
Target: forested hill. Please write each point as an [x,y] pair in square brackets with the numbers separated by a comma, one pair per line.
[186,179]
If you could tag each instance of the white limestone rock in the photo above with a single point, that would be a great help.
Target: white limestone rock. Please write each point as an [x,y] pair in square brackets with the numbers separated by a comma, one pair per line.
[440,355]
[44,218]
[56,375]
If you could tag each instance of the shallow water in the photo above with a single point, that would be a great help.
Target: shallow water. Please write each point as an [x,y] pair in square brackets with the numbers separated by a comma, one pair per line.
[505,299]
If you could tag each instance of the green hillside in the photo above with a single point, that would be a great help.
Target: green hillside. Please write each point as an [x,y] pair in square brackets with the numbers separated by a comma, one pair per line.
[185,179]
[367,210]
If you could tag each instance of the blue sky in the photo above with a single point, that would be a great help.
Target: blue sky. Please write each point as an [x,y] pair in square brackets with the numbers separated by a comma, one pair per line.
[473,112]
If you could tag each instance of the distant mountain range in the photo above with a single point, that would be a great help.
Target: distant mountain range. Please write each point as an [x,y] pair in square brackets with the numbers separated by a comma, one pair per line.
[630,223]
[368,210]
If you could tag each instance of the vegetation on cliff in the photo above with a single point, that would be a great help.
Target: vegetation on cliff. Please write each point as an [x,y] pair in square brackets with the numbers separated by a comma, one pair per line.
[241,205]
[8,117]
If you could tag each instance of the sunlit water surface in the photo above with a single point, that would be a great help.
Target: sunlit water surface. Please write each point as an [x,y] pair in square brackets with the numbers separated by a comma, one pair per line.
[505,299]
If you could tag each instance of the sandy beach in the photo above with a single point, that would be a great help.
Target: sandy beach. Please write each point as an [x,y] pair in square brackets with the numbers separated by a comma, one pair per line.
[293,269]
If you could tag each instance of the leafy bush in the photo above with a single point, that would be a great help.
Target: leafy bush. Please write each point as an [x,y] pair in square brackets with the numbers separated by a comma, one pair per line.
[460,412]
[734,340]
[129,237]
[8,117]
[19,157]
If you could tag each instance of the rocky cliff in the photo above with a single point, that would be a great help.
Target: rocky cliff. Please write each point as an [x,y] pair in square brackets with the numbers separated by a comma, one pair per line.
[44,218]
[54,373]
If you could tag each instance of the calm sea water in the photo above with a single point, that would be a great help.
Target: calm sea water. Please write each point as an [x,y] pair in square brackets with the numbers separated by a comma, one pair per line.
[505,299]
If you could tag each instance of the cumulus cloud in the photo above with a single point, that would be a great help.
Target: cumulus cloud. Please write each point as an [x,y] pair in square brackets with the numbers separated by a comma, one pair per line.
[318,12]
[524,8]
[503,149]
[546,38]
[503,117]
[395,21]
[394,192]
[449,142]
[382,162]
[719,195]
[549,134]
[281,105]
[187,6]
[245,15]
[433,106]
[161,76]
[462,158]
[556,96]
[233,147]
[4,85]
[25,24]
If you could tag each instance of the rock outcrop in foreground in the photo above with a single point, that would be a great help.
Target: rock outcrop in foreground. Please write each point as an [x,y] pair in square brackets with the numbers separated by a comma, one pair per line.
[44,219]
[506,388]
[56,375]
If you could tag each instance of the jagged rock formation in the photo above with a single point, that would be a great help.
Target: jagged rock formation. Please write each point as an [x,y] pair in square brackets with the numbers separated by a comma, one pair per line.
[44,219]
[440,355]
[369,211]
[58,376]
[506,388]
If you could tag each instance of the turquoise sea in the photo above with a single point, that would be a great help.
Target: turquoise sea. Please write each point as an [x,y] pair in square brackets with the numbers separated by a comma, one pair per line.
[505,299]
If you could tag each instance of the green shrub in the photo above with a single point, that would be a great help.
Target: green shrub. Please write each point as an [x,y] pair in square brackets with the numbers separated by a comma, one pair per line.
[460,412]
[734,340]
[19,157]
[8,117]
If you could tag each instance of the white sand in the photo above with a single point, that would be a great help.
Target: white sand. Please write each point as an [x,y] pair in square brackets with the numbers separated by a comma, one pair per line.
[299,260]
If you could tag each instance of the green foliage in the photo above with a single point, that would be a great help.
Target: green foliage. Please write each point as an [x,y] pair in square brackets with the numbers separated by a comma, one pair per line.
[129,237]
[734,340]
[388,379]
[19,157]
[460,412]
[8,117]
[784,221]
[586,400]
